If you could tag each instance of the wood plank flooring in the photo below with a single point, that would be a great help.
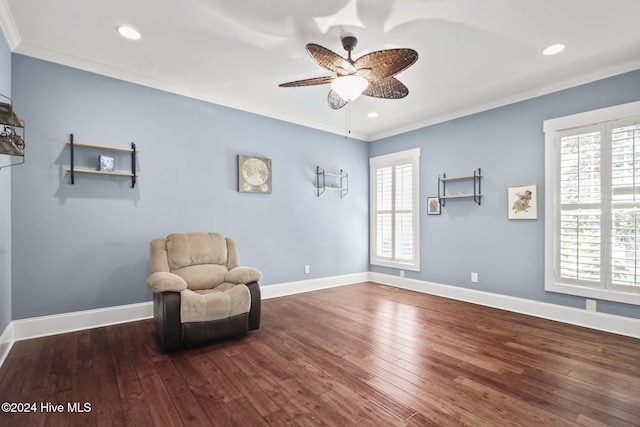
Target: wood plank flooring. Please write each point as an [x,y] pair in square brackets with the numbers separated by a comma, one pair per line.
[358,355]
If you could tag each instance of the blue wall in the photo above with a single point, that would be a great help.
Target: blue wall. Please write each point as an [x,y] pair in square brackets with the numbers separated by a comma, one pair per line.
[85,246]
[508,144]
[5,199]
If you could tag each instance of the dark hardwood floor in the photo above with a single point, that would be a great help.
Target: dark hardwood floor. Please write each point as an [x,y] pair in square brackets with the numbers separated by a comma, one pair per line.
[361,355]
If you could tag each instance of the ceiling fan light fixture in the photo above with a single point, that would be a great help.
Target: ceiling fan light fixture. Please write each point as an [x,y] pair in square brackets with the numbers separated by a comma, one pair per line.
[349,87]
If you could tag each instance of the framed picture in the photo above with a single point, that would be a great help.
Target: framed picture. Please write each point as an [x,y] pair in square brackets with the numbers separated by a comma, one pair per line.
[107,163]
[522,201]
[433,206]
[254,174]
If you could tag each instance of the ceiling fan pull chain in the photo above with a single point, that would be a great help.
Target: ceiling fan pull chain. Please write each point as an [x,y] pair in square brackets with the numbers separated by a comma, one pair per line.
[347,122]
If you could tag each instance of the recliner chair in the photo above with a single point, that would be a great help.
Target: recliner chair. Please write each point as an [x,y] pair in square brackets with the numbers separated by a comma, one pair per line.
[200,291]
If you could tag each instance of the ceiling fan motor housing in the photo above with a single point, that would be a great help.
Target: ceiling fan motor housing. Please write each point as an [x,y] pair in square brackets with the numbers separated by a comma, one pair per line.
[349,43]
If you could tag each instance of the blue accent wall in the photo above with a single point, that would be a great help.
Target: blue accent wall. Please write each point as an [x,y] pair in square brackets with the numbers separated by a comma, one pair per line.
[507,143]
[85,246]
[5,199]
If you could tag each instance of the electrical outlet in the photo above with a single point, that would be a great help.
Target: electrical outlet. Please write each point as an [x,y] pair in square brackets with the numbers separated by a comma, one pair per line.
[591,305]
[401,273]
[306,269]
[474,277]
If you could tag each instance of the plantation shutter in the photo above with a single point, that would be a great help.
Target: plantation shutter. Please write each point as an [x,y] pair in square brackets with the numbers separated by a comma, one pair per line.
[599,206]
[384,214]
[395,209]
[404,213]
[592,204]
[625,204]
[580,222]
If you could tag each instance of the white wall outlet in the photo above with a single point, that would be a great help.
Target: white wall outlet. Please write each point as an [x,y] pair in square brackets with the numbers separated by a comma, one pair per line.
[401,273]
[474,277]
[306,269]
[591,305]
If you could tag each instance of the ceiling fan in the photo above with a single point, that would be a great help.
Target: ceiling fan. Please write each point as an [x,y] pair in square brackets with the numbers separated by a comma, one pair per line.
[372,74]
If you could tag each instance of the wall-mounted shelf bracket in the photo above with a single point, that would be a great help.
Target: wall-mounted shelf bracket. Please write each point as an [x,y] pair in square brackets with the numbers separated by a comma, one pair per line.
[73,170]
[321,182]
[12,132]
[477,192]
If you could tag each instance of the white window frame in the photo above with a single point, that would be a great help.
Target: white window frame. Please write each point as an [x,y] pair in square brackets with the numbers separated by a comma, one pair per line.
[409,156]
[553,128]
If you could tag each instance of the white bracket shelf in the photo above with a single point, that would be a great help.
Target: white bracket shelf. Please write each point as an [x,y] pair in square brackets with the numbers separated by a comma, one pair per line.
[341,182]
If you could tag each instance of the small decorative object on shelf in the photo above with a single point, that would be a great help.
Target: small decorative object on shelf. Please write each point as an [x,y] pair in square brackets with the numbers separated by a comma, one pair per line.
[476,195]
[73,145]
[107,163]
[341,182]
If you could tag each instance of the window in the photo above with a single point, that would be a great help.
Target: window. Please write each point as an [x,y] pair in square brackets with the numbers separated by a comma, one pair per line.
[395,210]
[592,235]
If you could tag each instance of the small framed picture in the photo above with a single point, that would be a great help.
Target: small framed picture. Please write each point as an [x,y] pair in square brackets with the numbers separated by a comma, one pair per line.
[106,163]
[522,201]
[433,206]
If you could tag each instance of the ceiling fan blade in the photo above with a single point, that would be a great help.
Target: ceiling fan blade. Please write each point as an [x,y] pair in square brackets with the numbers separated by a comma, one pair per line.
[335,101]
[330,60]
[309,82]
[388,88]
[386,63]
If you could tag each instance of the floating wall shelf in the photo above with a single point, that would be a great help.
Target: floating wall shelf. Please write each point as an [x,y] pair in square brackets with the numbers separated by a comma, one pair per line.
[341,181]
[73,170]
[476,195]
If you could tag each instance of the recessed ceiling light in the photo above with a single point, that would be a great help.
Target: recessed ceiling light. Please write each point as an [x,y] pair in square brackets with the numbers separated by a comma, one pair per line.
[129,32]
[372,115]
[553,49]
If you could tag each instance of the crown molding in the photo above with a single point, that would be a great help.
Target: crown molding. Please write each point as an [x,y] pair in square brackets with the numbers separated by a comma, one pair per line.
[8,26]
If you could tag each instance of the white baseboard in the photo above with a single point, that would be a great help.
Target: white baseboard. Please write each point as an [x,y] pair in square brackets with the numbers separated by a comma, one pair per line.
[594,320]
[69,322]
[6,342]
[291,288]
[36,327]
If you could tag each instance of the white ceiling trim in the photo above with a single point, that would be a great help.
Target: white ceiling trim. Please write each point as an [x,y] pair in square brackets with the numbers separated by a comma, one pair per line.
[8,26]
[155,83]
[512,99]
[107,70]
[473,58]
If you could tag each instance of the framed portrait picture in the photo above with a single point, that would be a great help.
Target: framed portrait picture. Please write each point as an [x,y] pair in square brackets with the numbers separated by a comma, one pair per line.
[254,174]
[522,201]
[433,206]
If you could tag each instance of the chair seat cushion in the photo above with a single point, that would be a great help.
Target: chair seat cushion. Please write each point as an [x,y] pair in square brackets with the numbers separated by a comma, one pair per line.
[223,301]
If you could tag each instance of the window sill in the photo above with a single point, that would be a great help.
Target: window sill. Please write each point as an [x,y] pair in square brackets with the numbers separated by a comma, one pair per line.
[582,291]
[397,265]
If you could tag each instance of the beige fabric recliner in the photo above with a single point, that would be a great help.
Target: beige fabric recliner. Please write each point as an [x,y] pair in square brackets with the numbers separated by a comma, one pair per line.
[200,291]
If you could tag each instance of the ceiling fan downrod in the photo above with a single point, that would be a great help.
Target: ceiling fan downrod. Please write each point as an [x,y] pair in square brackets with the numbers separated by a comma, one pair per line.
[349,43]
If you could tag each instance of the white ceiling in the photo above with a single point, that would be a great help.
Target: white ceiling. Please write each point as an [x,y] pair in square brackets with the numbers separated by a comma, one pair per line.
[473,54]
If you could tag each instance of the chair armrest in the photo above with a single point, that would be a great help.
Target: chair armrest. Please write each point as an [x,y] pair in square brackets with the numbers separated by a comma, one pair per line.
[242,275]
[162,281]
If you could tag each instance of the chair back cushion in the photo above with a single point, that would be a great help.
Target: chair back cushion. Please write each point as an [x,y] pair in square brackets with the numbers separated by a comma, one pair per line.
[187,249]
[199,258]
